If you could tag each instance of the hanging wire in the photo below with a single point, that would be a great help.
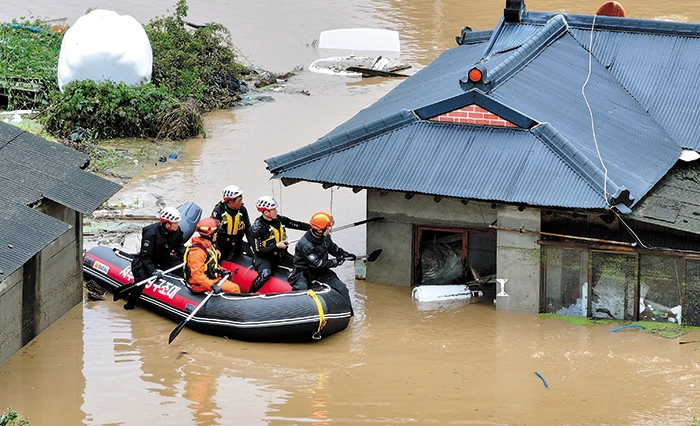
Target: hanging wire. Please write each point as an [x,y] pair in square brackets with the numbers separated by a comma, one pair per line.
[590,112]
[600,157]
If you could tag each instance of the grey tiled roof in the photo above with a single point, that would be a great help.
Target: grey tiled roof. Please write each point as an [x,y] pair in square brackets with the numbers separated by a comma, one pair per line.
[32,169]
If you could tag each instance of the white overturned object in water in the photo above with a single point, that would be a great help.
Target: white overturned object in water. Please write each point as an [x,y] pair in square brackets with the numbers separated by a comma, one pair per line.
[360,39]
[104,45]
[434,293]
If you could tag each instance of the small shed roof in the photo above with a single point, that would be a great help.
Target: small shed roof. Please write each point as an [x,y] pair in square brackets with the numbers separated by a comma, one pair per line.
[32,169]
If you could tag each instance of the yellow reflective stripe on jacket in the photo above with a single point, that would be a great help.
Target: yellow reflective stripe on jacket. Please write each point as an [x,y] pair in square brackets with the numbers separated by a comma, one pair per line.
[276,235]
[232,223]
[211,264]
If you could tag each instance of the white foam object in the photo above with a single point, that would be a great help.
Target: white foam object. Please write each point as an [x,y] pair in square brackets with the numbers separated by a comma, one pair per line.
[360,39]
[432,293]
[104,45]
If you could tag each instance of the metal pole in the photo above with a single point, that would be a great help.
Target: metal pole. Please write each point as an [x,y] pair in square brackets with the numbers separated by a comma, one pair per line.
[572,237]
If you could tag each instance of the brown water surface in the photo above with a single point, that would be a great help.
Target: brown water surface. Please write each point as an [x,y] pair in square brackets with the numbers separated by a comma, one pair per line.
[398,362]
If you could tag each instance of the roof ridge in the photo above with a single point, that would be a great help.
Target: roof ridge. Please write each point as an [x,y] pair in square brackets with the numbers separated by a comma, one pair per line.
[526,53]
[617,196]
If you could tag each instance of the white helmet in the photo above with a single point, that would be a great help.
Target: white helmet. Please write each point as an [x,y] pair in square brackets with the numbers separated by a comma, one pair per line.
[170,215]
[266,203]
[231,192]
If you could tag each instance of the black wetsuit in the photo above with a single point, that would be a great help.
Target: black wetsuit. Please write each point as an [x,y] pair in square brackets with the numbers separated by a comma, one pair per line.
[160,249]
[311,262]
[266,234]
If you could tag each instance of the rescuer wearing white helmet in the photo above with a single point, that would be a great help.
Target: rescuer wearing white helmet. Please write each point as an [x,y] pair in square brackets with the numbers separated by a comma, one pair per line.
[162,247]
[270,240]
[234,223]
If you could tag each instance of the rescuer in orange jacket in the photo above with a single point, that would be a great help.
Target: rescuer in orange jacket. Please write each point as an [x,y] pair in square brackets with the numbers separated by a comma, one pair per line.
[202,270]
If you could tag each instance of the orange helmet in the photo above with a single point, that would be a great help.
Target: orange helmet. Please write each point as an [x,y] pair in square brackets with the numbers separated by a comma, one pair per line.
[321,221]
[207,226]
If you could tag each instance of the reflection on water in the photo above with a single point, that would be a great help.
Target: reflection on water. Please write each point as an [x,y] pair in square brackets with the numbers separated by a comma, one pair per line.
[398,362]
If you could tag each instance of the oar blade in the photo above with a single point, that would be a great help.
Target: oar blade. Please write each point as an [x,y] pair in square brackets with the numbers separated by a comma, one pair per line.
[374,255]
[176,331]
[122,291]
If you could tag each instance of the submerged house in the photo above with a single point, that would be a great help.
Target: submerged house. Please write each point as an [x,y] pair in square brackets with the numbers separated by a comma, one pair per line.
[44,194]
[550,152]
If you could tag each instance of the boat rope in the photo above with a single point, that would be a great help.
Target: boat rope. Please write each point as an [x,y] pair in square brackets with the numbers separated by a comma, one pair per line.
[321,315]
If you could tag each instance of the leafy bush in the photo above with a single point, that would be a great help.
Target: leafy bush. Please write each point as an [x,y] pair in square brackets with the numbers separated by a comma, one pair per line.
[116,110]
[28,64]
[12,418]
[199,65]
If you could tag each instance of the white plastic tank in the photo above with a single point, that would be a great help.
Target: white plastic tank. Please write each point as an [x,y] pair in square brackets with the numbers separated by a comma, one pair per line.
[431,293]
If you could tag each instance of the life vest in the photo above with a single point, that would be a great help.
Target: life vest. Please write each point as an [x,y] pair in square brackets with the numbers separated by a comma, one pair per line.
[232,224]
[211,265]
[274,236]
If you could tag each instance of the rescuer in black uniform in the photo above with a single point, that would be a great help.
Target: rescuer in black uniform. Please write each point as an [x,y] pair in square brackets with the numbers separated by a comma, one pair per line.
[311,261]
[234,224]
[162,247]
[270,240]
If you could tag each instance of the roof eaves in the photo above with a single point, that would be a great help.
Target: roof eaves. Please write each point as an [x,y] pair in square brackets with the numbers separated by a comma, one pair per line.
[335,142]
[613,194]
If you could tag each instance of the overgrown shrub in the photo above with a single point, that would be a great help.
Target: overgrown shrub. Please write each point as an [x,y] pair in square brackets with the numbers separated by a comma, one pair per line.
[12,418]
[28,64]
[110,110]
[196,64]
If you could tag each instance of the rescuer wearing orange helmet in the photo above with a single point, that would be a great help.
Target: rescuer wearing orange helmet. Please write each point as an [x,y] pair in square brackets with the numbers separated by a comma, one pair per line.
[234,223]
[311,261]
[270,240]
[162,247]
[202,270]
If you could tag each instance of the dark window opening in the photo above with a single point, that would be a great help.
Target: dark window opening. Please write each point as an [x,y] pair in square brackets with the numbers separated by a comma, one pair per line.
[454,256]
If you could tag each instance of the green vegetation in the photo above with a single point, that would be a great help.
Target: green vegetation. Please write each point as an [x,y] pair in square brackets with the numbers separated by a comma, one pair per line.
[194,71]
[115,110]
[28,64]
[199,66]
[664,329]
[12,418]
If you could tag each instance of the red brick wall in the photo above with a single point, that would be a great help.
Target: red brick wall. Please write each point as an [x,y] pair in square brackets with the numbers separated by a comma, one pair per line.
[473,114]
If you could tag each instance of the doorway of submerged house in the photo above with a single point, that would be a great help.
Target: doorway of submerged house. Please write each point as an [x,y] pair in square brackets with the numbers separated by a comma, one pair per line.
[449,256]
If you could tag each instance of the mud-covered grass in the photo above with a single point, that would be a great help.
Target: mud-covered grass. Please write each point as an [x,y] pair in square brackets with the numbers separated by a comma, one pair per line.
[662,329]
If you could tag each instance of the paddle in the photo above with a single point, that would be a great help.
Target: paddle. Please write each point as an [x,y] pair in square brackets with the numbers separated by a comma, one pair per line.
[126,289]
[349,225]
[180,326]
[369,257]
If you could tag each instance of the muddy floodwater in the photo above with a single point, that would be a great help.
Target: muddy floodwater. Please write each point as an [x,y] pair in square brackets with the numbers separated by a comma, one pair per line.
[399,361]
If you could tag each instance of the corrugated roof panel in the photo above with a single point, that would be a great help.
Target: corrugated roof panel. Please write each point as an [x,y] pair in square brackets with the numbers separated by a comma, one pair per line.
[549,90]
[659,72]
[477,162]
